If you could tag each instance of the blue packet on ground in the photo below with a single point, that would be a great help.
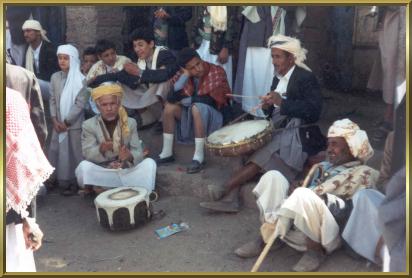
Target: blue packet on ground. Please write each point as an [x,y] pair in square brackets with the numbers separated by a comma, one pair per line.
[171,229]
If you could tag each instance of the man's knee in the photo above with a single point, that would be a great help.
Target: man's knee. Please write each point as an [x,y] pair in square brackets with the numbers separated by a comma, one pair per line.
[150,163]
[171,109]
[302,192]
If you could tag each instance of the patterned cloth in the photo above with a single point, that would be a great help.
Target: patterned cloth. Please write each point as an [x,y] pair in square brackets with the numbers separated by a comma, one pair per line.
[101,68]
[343,180]
[356,138]
[26,164]
[213,83]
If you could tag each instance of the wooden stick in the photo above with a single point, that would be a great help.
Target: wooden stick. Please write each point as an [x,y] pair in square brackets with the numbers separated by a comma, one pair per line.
[265,251]
[242,96]
[309,175]
[272,238]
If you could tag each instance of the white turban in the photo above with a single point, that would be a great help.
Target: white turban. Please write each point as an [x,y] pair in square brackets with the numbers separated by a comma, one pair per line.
[35,25]
[73,84]
[218,17]
[291,45]
[356,138]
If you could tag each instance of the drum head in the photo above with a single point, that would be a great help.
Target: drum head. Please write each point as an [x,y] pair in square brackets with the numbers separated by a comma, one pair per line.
[121,196]
[237,132]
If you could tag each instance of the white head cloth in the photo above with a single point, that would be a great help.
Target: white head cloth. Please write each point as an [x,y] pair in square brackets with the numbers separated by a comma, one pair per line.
[356,138]
[35,25]
[73,85]
[291,45]
[218,17]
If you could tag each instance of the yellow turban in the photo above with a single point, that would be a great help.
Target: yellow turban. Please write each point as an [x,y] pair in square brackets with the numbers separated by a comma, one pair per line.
[113,90]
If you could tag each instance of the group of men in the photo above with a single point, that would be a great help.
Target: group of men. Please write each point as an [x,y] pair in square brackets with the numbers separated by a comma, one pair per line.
[191,93]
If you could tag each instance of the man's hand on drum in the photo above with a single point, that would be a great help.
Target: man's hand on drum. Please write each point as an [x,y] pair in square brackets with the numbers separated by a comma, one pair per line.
[125,154]
[271,98]
[106,146]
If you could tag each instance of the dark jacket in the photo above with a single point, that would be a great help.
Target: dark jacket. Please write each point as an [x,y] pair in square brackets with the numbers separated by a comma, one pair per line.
[47,61]
[219,39]
[166,68]
[176,34]
[304,101]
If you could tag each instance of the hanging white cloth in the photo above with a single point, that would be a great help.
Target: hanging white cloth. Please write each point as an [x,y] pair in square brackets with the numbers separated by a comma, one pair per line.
[258,78]
[18,257]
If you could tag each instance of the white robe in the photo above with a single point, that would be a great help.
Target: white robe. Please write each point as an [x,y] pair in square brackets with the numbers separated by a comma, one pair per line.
[18,258]
[143,175]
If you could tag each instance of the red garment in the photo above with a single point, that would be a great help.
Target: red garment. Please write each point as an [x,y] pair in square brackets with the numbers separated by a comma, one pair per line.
[213,83]
[26,165]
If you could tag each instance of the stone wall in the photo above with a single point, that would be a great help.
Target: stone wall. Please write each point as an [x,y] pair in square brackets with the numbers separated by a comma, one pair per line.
[87,24]
[81,26]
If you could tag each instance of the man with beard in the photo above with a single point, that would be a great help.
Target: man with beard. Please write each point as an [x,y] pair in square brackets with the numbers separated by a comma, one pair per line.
[310,219]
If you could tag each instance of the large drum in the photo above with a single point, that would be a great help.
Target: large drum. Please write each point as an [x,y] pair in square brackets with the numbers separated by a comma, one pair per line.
[123,208]
[240,138]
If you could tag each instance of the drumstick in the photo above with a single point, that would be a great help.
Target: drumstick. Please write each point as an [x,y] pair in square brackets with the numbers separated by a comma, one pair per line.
[241,96]
[265,250]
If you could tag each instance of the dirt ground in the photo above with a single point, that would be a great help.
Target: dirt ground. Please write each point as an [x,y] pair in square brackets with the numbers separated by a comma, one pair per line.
[75,242]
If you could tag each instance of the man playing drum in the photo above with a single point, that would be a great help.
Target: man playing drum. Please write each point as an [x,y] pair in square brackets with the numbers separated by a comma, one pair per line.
[294,100]
[311,218]
[200,91]
[111,146]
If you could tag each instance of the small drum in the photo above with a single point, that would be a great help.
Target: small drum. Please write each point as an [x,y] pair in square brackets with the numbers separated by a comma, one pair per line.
[123,208]
[240,138]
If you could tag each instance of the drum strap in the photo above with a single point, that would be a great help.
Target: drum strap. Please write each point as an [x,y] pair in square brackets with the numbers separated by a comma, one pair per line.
[293,127]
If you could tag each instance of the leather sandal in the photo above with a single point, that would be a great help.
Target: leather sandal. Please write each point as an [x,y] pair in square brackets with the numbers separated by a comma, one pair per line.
[165,160]
[194,167]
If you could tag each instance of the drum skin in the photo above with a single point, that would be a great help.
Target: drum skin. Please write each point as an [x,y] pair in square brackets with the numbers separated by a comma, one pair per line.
[244,147]
[115,214]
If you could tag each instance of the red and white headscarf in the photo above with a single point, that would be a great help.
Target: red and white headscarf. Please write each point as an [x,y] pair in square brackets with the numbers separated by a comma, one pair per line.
[26,165]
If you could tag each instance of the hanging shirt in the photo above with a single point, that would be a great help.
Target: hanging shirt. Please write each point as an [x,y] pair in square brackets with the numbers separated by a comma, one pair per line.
[36,56]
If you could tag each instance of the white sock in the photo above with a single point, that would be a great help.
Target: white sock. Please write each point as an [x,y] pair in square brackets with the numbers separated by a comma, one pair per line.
[199,149]
[167,149]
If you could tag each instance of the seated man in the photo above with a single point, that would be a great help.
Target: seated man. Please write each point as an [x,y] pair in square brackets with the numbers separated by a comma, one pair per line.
[109,61]
[111,146]
[146,83]
[154,68]
[294,100]
[310,219]
[89,58]
[194,105]
[378,215]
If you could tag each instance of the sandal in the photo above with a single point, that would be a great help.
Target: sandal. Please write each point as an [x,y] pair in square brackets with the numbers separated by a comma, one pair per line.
[195,167]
